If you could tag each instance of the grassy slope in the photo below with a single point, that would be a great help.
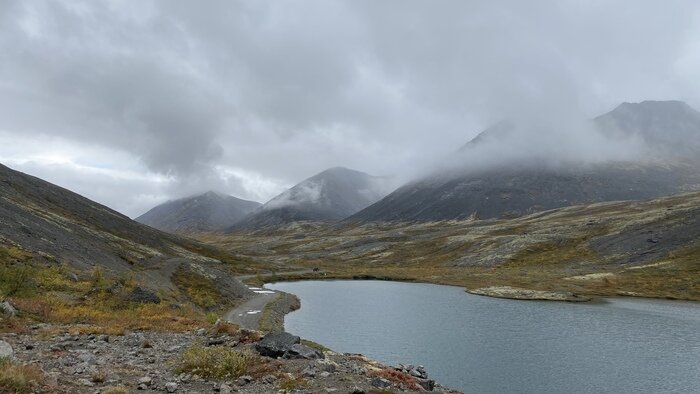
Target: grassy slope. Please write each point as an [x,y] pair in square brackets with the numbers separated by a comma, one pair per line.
[625,248]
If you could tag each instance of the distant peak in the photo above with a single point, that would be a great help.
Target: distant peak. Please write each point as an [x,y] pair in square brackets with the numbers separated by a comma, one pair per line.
[656,105]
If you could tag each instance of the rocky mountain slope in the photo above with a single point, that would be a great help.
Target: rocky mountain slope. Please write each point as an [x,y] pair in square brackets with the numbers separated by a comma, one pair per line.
[670,129]
[333,194]
[56,227]
[210,211]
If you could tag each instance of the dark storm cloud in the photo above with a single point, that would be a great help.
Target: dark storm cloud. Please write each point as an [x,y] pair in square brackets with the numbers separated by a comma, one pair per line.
[252,96]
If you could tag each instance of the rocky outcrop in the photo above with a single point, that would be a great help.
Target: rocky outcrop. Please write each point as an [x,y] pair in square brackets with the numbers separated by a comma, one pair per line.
[286,345]
[148,362]
[275,344]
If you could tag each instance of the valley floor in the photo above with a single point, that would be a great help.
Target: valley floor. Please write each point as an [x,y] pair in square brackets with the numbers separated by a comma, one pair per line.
[643,249]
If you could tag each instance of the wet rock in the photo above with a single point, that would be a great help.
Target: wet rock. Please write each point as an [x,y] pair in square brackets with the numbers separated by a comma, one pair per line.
[302,351]
[276,344]
[6,350]
[143,296]
[8,309]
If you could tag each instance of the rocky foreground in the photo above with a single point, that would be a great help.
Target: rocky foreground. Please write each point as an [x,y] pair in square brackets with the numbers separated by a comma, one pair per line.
[223,359]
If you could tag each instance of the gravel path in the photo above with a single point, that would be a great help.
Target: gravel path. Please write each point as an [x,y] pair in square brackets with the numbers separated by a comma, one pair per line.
[247,315]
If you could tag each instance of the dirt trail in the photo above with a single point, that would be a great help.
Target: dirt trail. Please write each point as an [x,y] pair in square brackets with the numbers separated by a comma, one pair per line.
[247,315]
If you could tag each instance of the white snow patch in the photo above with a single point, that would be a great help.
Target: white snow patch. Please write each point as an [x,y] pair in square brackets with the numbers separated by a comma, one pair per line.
[253,312]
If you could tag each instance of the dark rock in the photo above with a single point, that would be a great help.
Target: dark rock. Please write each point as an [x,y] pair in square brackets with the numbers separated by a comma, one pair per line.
[143,296]
[276,344]
[302,351]
[380,383]
[216,341]
[427,384]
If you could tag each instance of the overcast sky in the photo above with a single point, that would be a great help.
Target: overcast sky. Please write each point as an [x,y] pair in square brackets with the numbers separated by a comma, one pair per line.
[131,103]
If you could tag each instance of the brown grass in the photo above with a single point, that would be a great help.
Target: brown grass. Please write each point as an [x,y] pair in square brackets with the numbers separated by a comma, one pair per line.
[216,362]
[19,378]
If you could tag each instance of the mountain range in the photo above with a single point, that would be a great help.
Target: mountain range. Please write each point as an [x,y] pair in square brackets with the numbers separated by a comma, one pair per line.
[207,212]
[331,195]
[671,129]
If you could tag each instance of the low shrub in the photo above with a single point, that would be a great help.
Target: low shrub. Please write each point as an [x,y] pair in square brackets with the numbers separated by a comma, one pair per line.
[19,378]
[216,362]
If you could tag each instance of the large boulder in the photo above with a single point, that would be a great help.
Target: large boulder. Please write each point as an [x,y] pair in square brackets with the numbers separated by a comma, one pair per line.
[276,344]
[5,350]
[143,296]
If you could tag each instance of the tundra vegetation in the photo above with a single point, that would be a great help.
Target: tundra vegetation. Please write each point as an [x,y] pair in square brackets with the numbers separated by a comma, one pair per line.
[649,249]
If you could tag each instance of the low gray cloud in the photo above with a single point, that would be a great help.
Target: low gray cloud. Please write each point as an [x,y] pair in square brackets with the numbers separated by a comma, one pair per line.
[249,97]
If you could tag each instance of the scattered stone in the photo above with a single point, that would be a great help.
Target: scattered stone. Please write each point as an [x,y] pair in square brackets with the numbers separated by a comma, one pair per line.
[72,277]
[216,341]
[104,338]
[325,374]
[143,296]
[6,350]
[427,384]
[8,309]
[357,390]
[276,344]
[86,383]
[308,372]
[243,380]
[201,331]
[225,389]
[269,379]
[171,387]
[147,380]
[327,365]
[302,351]
[380,383]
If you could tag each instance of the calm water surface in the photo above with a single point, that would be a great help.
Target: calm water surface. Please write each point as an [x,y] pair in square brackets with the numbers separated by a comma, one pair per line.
[488,345]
